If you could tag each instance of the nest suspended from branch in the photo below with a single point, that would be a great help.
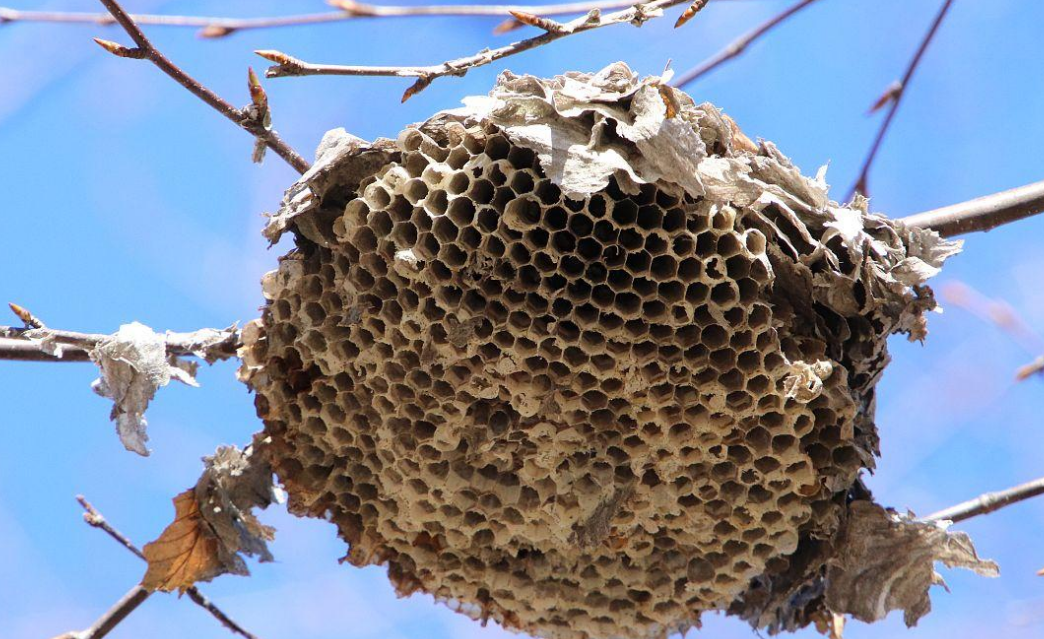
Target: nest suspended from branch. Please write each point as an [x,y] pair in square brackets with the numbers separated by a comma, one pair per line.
[581,358]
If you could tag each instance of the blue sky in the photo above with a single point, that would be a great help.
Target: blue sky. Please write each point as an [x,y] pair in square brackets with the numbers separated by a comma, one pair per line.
[127,199]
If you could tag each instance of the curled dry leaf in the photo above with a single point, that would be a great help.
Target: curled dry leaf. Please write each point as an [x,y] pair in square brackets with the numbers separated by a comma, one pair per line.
[213,523]
[133,364]
[886,562]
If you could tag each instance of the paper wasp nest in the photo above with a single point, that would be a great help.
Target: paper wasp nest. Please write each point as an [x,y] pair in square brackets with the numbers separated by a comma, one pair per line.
[581,358]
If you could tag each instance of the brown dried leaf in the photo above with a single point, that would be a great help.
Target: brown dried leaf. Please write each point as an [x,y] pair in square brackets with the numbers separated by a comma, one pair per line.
[185,553]
[213,523]
[885,562]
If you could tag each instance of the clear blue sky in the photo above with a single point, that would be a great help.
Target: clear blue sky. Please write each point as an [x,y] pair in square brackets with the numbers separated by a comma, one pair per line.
[124,198]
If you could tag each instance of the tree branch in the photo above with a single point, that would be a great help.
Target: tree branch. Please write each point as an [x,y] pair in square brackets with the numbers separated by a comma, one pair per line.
[247,119]
[96,520]
[289,66]
[984,213]
[989,502]
[217,27]
[52,345]
[112,617]
[738,46]
[893,96]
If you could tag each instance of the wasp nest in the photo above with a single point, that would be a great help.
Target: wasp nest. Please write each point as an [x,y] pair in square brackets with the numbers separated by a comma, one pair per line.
[580,357]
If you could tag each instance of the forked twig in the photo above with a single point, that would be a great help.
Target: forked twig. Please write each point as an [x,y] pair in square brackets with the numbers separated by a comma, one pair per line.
[286,65]
[989,502]
[893,96]
[246,119]
[738,46]
[95,519]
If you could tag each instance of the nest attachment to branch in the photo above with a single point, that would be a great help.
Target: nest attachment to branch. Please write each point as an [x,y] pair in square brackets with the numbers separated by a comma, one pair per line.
[583,359]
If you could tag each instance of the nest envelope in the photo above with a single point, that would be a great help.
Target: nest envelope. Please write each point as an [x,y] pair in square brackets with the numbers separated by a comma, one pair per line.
[581,358]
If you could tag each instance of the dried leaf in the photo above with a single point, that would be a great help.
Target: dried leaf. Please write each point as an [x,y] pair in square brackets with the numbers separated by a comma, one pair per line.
[885,562]
[133,364]
[213,523]
[185,553]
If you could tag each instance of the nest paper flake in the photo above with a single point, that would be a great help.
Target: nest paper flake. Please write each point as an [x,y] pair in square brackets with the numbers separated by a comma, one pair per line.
[581,358]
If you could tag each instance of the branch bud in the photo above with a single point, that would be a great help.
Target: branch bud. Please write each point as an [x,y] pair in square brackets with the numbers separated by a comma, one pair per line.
[119,50]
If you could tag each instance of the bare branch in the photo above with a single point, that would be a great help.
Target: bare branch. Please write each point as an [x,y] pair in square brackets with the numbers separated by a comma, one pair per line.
[738,46]
[243,119]
[216,27]
[38,344]
[95,519]
[290,66]
[894,95]
[984,213]
[989,502]
[112,617]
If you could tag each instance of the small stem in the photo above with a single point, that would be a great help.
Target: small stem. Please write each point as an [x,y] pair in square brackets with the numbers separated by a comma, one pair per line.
[989,502]
[145,49]
[982,214]
[896,96]
[738,46]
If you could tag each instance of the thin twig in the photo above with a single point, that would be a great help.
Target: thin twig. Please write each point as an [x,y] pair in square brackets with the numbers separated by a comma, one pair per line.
[95,519]
[895,94]
[984,213]
[289,66]
[249,122]
[738,46]
[216,27]
[989,502]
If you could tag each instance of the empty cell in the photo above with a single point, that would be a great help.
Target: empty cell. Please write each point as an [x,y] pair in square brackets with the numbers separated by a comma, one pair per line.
[655,244]
[522,182]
